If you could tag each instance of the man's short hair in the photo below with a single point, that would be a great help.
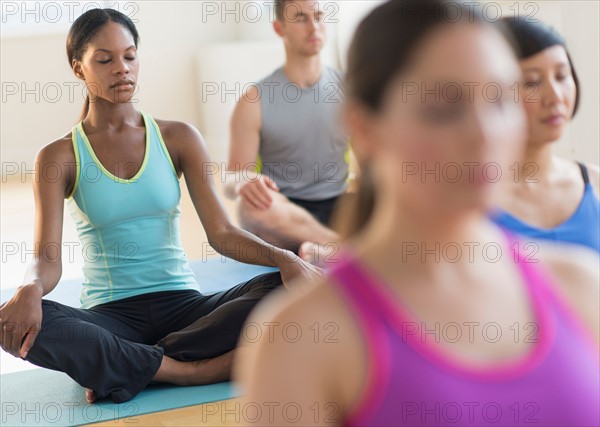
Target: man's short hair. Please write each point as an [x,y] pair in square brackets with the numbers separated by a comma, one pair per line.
[279,9]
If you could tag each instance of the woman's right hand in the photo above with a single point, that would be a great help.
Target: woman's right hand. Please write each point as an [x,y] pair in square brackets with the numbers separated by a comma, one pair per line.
[21,318]
[296,270]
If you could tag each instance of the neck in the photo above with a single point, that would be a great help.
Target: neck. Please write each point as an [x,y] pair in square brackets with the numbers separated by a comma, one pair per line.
[539,158]
[104,114]
[399,240]
[305,71]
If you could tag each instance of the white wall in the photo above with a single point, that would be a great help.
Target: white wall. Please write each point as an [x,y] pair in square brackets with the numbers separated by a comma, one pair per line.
[577,21]
[580,26]
[174,32]
[171,34]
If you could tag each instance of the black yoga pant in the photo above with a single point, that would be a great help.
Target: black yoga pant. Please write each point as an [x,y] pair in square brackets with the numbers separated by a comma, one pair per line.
[320,209]
[116,348]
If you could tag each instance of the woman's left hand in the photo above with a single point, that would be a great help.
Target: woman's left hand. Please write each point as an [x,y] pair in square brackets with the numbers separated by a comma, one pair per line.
[295,270]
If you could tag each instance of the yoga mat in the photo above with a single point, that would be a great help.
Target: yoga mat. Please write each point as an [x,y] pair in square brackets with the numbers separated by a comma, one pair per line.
[41,397]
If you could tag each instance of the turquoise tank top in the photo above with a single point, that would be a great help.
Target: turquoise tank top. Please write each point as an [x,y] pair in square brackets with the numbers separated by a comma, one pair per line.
[129,228]
[582,228]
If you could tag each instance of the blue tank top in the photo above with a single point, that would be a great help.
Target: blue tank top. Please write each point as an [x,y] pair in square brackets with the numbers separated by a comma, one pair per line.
[129,228]
[583,227]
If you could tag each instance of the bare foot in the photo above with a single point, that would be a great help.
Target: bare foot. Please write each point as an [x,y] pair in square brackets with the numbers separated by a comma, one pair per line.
[90,395]
[317,254]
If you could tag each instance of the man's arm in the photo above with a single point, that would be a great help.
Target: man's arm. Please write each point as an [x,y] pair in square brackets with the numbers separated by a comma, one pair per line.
[242,178]
[245,139]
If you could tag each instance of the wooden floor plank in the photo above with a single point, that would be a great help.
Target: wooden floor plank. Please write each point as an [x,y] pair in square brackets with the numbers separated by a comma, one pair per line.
[223,413]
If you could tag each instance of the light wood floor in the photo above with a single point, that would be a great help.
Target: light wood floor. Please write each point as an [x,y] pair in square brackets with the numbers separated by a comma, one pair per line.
[223,413]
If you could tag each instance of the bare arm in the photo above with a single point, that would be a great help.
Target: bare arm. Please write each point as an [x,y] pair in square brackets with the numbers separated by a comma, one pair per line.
[245,138]
[577,278]
[21,316]
[296,371]
[243,152]
[226,238]
[245,132]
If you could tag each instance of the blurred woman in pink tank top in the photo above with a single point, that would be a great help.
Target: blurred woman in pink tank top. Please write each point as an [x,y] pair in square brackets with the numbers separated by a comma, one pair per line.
[433,315]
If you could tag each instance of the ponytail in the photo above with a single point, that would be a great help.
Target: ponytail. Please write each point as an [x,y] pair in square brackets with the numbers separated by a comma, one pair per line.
[86,108]
[354,212]
[382,48]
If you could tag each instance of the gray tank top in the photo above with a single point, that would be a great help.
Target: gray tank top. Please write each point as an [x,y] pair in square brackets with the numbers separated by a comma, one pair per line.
[303,147]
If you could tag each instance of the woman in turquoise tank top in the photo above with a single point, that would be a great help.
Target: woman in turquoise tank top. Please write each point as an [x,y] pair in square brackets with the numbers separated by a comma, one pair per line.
[142,317]
[550,197]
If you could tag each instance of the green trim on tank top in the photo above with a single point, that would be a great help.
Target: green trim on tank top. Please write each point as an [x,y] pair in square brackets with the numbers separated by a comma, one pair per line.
[347,160]
[100,239]
[77,162]
[259,163]
[74,131]
[162,143]
[101,166]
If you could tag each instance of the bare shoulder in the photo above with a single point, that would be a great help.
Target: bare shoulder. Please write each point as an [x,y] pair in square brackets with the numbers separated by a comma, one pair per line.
[58,150]
[247,107]
[314,340]
[58,154]
[577,277]
[308,305]
[251,95]
[183,141]
[176,131]
[594,174]
[57,158]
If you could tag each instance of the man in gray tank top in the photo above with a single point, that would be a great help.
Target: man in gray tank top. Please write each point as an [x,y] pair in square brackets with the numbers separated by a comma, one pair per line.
[288,147]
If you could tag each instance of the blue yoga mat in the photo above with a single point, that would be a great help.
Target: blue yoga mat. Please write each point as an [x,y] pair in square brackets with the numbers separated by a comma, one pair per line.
[41,397]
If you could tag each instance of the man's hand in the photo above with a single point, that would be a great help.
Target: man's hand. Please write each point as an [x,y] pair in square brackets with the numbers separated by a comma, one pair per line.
[256,191]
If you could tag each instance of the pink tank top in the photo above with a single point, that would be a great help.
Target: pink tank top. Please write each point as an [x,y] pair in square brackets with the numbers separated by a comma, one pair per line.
[412,381]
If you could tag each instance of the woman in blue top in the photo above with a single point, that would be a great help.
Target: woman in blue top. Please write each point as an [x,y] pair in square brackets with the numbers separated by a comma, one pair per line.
[142,317]
[551,198]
